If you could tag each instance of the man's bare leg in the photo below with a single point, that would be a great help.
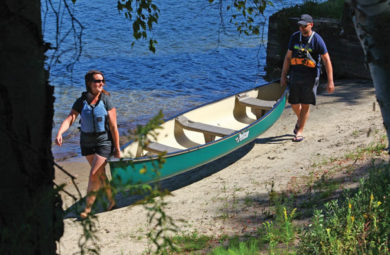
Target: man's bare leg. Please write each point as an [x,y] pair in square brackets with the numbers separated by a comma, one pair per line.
[297,110]
[303,116]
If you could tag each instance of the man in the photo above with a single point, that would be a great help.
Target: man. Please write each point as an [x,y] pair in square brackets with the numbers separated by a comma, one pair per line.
[306,48]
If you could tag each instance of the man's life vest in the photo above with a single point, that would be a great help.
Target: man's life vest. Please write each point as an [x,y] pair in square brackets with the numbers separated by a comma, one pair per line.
[302,56]
[93,118]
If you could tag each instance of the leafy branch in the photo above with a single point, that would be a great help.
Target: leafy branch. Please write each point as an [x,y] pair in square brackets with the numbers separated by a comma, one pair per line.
[161,224]
[143,14]
[61,11]
[246,14]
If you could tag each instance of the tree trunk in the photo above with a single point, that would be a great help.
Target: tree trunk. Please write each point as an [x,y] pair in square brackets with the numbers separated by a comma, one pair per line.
[372,24]
[30,210]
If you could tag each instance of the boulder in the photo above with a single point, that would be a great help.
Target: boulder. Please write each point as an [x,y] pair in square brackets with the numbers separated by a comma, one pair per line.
[340,37]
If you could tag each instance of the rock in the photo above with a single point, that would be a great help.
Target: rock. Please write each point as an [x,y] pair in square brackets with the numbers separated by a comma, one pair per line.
[339,35]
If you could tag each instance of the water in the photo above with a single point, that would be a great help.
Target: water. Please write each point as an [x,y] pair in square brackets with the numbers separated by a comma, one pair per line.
[196,62]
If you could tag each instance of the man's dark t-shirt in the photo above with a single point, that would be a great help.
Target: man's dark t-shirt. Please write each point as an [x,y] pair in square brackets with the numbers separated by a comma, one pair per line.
[316,48]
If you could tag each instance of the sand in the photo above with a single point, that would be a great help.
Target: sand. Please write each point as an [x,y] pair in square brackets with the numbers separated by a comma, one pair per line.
[230,197]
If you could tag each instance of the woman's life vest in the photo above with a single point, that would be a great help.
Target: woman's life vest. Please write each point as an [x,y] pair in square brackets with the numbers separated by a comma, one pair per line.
[302,55]
[93,118]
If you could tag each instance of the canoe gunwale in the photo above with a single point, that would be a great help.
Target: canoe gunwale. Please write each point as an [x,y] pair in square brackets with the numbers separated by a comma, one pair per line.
[201,146]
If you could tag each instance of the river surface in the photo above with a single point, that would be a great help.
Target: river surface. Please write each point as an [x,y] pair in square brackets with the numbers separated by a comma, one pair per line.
[200,57]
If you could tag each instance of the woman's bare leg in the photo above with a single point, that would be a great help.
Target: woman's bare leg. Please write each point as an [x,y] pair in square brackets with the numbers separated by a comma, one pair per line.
[107,188]
[97,164]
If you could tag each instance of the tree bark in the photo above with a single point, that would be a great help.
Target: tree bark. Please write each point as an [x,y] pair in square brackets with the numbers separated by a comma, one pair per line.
[30,210]
[372,24]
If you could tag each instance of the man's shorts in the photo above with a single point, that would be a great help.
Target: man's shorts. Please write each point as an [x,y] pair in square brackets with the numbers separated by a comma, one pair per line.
[100,144]
[303,89]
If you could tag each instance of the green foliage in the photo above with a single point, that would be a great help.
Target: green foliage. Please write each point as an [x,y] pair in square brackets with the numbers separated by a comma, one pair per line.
[279,231]
[143,14]
[143,134]
[372,149]
[247,15]
[191,242]
[250,247]
[89,241]
[326,9]
[358,224]
[161,225]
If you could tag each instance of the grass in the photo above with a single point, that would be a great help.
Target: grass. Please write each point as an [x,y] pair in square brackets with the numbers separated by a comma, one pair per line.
[250,247]
[357,223]
[192,242]
[316,214]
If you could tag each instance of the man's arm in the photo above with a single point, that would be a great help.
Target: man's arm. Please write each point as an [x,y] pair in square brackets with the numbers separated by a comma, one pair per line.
[286,68]
[329,72]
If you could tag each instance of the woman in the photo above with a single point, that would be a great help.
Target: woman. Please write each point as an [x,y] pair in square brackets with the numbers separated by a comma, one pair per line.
[99,136]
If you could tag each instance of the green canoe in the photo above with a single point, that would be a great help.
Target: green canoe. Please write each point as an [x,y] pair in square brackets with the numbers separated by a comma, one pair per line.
[202,135]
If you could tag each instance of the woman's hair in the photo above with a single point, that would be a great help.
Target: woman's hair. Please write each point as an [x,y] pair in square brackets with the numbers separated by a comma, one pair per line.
[89,79]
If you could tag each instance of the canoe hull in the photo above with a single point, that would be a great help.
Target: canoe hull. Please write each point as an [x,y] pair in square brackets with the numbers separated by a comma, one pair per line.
[176,163]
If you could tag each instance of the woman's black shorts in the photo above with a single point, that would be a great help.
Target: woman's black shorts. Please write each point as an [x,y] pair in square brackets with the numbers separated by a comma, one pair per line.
[92,143]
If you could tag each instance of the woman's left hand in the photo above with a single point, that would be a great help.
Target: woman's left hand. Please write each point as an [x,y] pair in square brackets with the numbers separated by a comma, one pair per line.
[117,153]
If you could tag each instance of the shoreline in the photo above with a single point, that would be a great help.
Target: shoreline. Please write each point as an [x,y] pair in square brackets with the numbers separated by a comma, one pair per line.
[216,202]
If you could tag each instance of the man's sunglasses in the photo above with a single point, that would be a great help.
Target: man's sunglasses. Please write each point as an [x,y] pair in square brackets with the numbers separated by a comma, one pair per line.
[303,26]
[99,81]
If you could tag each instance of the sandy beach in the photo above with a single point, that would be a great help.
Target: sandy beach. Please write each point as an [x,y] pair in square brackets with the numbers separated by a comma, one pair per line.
[229,197]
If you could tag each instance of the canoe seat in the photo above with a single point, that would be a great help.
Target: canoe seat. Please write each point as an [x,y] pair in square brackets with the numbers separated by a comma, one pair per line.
[255,102]
[159,147]
[209,131]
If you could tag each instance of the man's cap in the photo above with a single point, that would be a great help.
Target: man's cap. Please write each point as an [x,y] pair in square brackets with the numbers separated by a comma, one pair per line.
[305,19]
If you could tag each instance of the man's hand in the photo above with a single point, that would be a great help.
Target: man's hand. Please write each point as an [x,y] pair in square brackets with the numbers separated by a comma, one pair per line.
[283,81]
[330,87]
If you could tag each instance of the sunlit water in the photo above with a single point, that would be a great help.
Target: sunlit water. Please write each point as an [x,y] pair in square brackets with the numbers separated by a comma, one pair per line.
[198,60]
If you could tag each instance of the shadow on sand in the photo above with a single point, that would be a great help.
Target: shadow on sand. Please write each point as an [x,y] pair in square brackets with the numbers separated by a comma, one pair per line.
[184,179]
[274,139]
[172,183]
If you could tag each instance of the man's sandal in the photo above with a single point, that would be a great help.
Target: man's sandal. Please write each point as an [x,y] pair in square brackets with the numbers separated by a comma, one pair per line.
[298,138]
[296,129]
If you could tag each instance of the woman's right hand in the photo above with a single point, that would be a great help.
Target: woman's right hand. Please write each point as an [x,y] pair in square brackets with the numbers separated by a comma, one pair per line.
[65,126]
[59,140]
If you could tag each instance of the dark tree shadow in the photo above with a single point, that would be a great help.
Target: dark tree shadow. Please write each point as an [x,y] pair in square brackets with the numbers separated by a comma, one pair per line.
[262,205]
[170,184]
[350,92]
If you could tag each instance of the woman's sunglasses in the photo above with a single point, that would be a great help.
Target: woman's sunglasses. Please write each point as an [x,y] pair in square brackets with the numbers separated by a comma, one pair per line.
[99,81]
